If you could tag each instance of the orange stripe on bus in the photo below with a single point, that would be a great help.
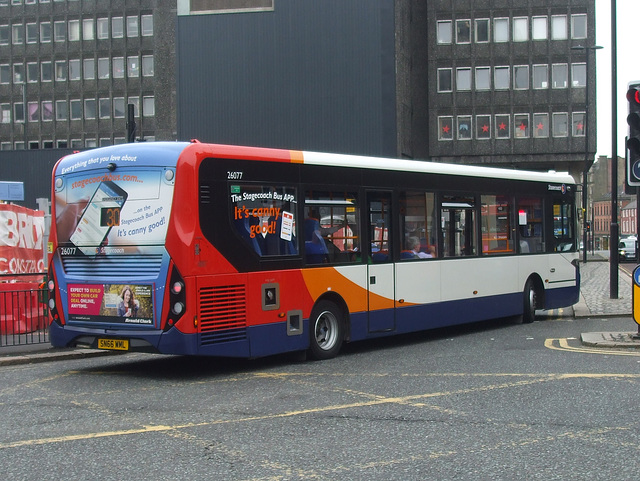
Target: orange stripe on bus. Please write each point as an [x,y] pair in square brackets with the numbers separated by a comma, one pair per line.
[297,157]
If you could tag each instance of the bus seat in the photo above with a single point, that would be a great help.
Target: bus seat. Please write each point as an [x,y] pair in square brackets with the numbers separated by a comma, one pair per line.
[315,248]
[407,255]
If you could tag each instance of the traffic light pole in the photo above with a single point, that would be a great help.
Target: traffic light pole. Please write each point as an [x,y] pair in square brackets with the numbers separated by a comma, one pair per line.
[613,237]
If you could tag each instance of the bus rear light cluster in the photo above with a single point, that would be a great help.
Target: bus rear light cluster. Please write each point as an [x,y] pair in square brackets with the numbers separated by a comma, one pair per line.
[51,290]
[177,298]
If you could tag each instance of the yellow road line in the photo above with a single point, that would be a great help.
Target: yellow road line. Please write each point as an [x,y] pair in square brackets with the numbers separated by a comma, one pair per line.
[563,345]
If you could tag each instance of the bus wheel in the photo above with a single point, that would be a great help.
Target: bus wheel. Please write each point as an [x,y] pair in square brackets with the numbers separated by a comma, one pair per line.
[326,330]
[530,302]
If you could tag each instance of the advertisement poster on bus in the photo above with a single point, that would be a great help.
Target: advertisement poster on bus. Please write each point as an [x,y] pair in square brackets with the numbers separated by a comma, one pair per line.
[102,213]
[113,303]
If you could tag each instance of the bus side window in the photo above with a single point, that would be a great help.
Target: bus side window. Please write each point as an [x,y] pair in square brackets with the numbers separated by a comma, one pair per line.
[530,231]
[331,227]
[417,221]
[563,226]
[458,226]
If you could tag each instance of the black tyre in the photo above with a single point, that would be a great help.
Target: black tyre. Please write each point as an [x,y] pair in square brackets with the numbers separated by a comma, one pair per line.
[530,302]
[326,330]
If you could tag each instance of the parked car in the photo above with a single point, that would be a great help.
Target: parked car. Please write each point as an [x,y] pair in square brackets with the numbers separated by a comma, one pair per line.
[627,248]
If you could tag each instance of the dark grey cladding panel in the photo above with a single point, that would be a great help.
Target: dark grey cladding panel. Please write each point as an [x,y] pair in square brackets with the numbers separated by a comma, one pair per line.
[309,75]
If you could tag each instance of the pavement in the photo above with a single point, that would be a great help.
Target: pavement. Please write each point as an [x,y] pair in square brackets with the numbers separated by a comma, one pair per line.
[595,301]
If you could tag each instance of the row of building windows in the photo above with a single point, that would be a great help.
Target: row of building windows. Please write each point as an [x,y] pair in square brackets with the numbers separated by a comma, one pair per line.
[76,30]
[524,77]
[506,126]
[5,3]
[75,109]
[89,143]
[76,69]
[522,29]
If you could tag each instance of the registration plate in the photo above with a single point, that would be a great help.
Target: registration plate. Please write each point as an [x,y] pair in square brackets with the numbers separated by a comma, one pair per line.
[114,344]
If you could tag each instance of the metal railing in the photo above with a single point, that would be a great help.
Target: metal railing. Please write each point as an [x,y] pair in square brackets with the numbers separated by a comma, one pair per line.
[24,313]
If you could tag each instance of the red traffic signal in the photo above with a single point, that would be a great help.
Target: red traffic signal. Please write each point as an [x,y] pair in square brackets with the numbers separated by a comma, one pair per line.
[633,95]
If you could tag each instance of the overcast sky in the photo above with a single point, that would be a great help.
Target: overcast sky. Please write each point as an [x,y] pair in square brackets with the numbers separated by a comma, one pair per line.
[628,67]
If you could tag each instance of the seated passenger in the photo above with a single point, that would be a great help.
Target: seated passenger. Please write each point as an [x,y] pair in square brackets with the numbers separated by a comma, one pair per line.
[414,245]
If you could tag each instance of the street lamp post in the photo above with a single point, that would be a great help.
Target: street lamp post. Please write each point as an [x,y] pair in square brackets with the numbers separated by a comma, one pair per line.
[587,162]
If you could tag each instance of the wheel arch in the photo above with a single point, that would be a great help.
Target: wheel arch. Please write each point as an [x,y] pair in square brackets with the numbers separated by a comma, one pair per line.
[339,301]
[538,285]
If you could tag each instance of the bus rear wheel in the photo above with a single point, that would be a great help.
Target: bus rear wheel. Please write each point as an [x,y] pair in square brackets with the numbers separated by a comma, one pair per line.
[530,302]
[326,330]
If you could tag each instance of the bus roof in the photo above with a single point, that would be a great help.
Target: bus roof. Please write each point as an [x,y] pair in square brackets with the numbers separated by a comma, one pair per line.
[167,153]
[339,160]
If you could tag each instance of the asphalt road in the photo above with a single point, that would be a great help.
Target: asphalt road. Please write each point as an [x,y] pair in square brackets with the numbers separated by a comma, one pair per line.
[492,401]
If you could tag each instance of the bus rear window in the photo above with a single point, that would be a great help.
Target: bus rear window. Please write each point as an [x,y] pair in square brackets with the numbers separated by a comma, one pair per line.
[264,217]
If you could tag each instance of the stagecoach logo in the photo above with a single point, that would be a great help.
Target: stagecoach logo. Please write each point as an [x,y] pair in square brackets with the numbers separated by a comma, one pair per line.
[558,188]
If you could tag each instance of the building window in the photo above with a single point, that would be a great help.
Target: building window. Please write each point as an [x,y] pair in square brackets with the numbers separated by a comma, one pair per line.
[464,127]
[62,110]
[539,28]
[148,106]
[90,109]
[501,78]
[521,126]
[103,68]
[18,73]
[559,75]
[578,121]
[540,126]
[74,30]
[502,126]
[102,27]
[146,24]
[463,78]
[47,111]
[117,27]
[483,127]
[147,66]
[579,26]
[4,35]
[33,72]
[119,110]
[540,76]
[88,29]
[117,64]
[18,112]
[483,78]
[34,111]
[45,32]
[559,27]
[46,71]
[74,69]
[560,124]
[17,34]
[444,31]
[5,74]
[76,109]
[59,31]
[521,77]
[445,128]
[445,80]
[5,113]
[578,75]
[520,29]
[500,29]
[104,106]
[482,30]
[132,27]
[135,101]
[32,33]
[133,67]
[463,31]
[89,68]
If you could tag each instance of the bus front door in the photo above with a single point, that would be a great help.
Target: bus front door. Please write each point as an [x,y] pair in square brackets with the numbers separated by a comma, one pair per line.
[380,278]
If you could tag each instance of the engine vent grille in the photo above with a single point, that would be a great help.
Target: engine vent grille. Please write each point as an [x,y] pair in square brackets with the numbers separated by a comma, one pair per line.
[223,314]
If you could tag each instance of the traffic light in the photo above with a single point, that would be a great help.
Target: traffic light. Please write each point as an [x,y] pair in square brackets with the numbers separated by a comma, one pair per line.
[633,140]
[588,226]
